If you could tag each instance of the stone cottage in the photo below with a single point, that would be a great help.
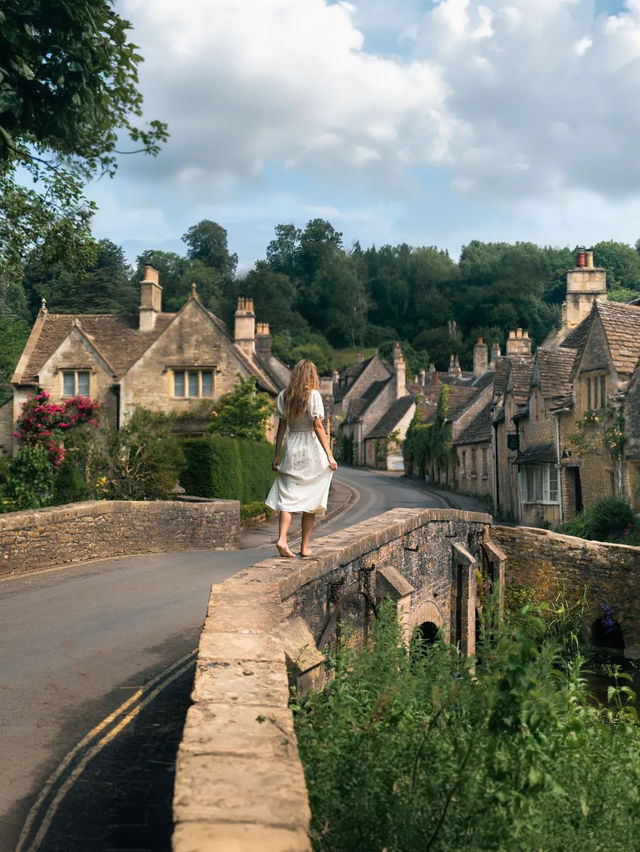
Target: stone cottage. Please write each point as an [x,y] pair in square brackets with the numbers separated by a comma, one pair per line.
[167,362]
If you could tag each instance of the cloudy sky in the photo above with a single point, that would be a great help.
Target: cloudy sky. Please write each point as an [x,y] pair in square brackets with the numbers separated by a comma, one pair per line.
[432,122]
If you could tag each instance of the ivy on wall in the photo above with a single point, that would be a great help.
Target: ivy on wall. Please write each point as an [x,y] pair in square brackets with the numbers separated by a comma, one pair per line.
[428,448]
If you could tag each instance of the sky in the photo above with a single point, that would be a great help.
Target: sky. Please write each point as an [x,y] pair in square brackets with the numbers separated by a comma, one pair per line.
[430,122]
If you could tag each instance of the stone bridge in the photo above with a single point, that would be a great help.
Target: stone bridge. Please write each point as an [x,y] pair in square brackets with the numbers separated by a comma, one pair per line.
[239,781]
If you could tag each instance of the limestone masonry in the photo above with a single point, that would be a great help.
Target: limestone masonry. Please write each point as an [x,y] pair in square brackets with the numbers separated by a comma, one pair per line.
[44,538]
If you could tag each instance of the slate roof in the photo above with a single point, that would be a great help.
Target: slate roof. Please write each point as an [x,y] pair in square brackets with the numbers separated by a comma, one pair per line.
[621,323]
[577,335]
[520,381]
[390,420]
[500,376]
[459,398]
[119,341]
[554,369]
[351,374]
[479,430]
[537,454]
[359,406]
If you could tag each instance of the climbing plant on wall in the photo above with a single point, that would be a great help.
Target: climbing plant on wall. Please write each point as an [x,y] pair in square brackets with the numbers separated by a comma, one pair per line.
[428,448]
[601,431]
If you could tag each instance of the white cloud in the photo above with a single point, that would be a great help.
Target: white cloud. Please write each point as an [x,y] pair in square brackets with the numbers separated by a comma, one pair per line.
[526,102]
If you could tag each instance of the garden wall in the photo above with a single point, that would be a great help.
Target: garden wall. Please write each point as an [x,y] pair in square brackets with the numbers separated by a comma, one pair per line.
[610,573]
[59,535]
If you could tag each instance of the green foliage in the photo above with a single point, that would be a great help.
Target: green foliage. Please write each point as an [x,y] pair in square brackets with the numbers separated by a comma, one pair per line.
[248,511]
[227,468]
[607,520]
[69,485]
[243,412]
[13,333]
[409,750]
[68,92]
[140,461]
[428,448]
[30,479]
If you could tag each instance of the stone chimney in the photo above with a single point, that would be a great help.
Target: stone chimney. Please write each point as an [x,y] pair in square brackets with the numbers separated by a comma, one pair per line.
[150,299]
[480,357]
[359,358]
[244,335]
[457,372]
[585,283]
[518,343]
[452,364]
[422,377]
[263,339]
[401,371]
[495,354]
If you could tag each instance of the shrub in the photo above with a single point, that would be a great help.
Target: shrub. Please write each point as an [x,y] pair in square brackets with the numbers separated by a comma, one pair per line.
[228,468]
[30,478]
[413,749]
[607,519]
[69,485]
[142,460]
[252,510]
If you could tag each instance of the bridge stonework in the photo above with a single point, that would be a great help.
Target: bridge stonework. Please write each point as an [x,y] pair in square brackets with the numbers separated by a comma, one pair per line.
[549,563]
[99,529]
[239,781]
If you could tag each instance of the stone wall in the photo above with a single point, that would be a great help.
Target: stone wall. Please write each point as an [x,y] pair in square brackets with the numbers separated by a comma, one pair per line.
[239,781]
[553,562]
[60,535]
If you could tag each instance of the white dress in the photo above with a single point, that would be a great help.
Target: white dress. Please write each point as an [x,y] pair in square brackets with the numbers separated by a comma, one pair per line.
[304,476]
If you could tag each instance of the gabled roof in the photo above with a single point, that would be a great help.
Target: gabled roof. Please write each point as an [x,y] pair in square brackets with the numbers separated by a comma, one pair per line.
[552,370]
[121,343]
[358,406]
[117,339]
[349,377]
[500,376]
[393,416]
[621,324]
[520,378]
[479,430]
[577,335]
[459,398]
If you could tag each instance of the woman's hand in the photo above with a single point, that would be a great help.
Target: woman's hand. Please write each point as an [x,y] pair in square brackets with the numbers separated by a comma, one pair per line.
[333,464]
[275,463]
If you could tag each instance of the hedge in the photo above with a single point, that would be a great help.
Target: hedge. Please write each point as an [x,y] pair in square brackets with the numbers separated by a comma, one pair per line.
[229,468]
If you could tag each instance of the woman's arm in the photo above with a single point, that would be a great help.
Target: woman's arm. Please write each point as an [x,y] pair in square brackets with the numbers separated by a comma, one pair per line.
[324,440]
[282,428]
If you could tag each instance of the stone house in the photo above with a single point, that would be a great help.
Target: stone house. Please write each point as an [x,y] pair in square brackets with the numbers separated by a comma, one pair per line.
[167,362]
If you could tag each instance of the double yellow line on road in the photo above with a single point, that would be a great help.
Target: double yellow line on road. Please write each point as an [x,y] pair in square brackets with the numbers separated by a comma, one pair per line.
[69,770]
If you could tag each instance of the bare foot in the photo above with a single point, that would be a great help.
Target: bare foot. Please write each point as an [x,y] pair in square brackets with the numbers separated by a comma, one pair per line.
[305,555]
[284,551]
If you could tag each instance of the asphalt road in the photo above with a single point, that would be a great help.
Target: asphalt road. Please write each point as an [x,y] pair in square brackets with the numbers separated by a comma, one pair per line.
[76,642]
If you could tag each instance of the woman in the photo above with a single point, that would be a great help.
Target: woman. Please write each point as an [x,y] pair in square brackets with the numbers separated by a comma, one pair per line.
[304,475]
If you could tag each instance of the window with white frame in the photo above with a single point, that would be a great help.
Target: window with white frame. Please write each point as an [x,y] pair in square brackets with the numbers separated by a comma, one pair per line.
[75,382]
[193,383]
[538,483]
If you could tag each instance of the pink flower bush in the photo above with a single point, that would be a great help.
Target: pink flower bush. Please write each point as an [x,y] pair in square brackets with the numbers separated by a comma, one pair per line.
[44,422]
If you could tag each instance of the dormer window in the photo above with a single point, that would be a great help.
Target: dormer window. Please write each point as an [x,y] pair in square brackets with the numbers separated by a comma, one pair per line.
[192,384]
[594,391]
[75,382]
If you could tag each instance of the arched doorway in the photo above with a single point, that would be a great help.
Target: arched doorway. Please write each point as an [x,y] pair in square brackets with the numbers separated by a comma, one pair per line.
[428,632]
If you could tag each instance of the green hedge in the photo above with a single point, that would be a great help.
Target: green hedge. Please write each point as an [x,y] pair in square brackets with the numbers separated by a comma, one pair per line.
[229,468]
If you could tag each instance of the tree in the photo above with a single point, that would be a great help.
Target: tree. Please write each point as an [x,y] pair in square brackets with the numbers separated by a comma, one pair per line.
[207,242]
[14,334]
[243,412]
[104,286]
[281,251]
[68,90]
[274,294]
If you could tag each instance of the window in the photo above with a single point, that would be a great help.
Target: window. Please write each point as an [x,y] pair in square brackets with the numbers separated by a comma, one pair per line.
[192,383]
[538,483]
[484,462]
[75,382]
[595,392]
[464,462]
[474,471]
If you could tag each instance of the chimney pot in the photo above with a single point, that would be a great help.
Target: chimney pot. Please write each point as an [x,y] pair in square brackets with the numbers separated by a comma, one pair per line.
[589,259]
[581,260]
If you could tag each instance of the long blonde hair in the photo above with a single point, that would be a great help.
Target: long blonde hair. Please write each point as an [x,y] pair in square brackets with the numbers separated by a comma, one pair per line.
[304,379]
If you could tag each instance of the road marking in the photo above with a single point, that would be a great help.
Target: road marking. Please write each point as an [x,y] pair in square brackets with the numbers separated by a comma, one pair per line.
[42,814]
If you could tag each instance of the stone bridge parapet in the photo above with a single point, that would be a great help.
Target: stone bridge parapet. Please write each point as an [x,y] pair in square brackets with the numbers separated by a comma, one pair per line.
[99,529]
[239,780]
